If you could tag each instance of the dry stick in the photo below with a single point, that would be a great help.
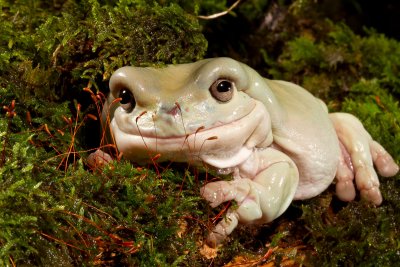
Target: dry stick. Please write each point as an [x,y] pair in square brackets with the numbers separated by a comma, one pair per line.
[220,14]
[12,261]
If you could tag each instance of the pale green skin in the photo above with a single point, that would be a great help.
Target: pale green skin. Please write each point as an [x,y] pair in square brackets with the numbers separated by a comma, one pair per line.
[277,139]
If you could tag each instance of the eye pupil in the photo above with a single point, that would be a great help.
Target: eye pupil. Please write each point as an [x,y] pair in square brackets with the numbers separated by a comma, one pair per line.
[126,96]
[224,86]
[127,100]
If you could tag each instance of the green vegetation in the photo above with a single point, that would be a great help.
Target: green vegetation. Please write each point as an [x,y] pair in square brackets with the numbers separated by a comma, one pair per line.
[55,61]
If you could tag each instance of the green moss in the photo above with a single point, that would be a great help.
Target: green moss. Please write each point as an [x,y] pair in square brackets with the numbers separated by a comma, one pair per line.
[54,209]
[378,110]
[132,213]
[340,58]
[60,49]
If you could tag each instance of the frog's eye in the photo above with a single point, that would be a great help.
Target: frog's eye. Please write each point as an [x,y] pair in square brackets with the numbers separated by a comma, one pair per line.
[127,100]
[222,90]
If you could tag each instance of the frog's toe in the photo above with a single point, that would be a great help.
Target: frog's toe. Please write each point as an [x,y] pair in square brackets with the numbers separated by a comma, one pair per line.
[373,195]
[223,229]
[345,189]
[368,184]
[215,192]
[244,191]
[98,159]
[383,161]
[248,211]
[222,191]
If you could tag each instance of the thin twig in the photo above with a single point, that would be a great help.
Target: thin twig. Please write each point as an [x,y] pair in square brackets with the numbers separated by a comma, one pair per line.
[220,14]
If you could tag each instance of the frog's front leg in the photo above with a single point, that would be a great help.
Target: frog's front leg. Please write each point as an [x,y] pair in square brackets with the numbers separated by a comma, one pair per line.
[263,188]
[359,153]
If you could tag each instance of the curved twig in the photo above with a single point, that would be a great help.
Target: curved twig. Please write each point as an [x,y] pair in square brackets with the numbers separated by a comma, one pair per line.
[220,14]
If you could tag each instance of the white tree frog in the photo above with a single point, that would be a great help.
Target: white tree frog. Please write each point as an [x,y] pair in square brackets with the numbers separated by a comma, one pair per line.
[275,138]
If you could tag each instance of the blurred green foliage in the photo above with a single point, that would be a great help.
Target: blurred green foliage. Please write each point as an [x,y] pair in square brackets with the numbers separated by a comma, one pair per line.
[54,210]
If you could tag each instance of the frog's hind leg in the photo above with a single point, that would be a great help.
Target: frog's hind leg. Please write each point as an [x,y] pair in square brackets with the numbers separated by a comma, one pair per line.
[359,153]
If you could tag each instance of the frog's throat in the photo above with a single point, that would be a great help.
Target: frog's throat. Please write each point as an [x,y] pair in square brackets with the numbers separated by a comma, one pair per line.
[224,146]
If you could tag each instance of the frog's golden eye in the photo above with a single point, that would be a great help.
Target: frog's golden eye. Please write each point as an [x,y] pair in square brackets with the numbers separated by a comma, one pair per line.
[222,90]
[127,100]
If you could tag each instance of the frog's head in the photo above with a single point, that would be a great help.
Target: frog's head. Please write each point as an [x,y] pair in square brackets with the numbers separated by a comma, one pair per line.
[198,111]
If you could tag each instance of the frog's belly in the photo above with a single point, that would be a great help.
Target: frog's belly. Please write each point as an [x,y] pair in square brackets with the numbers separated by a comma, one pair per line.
[316,157]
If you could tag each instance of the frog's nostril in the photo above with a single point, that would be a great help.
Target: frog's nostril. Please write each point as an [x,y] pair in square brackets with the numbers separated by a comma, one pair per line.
[173,111]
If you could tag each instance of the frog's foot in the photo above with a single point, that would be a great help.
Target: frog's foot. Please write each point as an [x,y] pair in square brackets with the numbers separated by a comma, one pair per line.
[359,153]
[98,159]
[259,200]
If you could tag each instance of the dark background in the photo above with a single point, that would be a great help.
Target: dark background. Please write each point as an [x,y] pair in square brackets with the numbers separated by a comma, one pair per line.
[384,15]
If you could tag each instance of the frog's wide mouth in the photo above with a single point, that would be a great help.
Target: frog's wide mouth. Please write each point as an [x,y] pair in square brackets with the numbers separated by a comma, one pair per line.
[216,127]
[217,143]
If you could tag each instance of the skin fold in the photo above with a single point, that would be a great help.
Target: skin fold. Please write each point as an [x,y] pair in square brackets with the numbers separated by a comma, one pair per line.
[275,138]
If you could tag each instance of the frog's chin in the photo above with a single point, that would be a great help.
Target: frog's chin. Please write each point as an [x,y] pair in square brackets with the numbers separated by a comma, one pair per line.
[224,146]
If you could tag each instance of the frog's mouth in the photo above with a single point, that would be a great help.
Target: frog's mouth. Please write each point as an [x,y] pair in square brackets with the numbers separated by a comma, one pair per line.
[221,146]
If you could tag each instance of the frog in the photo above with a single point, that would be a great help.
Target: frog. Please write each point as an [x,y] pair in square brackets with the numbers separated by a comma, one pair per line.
[276,141]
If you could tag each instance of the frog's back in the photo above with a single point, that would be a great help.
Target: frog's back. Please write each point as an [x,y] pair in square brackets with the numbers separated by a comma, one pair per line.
[305,133]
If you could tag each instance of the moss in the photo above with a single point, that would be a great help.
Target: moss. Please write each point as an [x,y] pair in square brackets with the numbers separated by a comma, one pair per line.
[54,209]
[341,58]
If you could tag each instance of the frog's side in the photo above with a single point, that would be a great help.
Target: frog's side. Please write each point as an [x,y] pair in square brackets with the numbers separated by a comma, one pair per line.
[278,140]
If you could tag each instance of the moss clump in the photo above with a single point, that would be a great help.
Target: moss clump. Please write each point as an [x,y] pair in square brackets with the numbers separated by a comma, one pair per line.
[329,64]
[122,216]
[68,45]
[96,39]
